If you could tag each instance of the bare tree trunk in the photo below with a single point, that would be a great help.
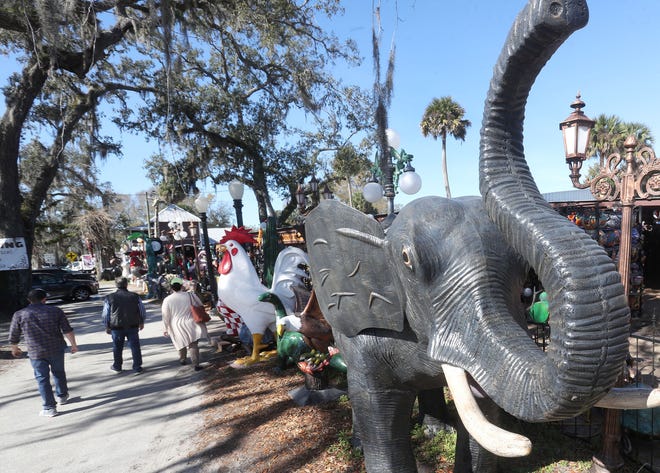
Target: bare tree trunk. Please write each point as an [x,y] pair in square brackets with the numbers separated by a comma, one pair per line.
[445,174]
[350,192]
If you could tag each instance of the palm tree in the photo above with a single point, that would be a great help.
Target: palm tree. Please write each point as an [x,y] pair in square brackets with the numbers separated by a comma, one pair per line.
[444,117]
[640,131]
[606,137]
[609,133]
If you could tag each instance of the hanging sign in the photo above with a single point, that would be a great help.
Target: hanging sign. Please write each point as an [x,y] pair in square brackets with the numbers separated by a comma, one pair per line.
[13,254]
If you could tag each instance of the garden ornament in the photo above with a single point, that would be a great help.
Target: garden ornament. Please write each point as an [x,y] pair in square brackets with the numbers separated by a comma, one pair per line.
[292,340]
[239,287]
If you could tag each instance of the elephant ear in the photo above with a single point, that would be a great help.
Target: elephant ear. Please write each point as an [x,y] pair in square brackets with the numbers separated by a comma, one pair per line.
[351,270]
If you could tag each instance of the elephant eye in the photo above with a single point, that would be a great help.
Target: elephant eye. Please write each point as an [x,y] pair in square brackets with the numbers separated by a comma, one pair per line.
[407,257]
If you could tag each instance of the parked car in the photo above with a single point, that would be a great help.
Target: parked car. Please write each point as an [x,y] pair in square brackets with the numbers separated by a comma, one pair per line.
[63,284]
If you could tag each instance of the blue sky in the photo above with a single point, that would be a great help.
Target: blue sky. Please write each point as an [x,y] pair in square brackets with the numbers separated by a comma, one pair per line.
[449,48]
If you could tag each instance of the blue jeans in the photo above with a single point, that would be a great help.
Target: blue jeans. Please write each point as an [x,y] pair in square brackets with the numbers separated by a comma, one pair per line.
[118,337]
[42,370]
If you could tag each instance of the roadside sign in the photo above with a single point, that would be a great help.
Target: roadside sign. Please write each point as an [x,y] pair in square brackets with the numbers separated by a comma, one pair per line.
[13,254]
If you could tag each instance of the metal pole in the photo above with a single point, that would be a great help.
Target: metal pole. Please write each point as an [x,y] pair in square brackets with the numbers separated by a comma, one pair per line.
[156,226]
[193,234]
[627,204]
[238,205]
[609,458]
[388,188]
[210,270]
[146,199]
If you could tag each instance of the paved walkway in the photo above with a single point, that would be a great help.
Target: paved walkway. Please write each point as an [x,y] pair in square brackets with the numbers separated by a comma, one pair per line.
[113,422]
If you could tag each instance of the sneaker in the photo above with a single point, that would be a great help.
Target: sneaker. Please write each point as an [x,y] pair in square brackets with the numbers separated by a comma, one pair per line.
[138,371]
[183,361]
[63,399]
[52,412]
[117,371]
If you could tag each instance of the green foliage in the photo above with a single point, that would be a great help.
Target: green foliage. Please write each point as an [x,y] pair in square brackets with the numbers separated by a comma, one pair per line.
[348,162]
[444,117]
[362,205]
[214,82]
[344,400]
[343,449]
[435,450]
[229,107]
[553,451]
[219,215]
[353,167]
[174,180]
[608,135]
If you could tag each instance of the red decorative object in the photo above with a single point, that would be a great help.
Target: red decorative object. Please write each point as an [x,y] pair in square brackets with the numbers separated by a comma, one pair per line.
[239,235]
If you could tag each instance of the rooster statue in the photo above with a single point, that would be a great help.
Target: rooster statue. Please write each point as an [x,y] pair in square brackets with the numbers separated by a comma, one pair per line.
[239,286]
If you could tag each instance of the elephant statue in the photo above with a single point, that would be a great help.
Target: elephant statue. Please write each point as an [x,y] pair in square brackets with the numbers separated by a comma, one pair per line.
[435,295]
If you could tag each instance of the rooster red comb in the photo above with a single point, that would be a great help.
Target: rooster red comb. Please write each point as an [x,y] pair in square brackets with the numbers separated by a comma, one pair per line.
[239,235]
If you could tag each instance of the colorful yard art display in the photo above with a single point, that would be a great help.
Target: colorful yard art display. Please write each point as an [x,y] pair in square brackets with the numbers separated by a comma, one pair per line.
[604,226]
[285,316]
[240,288]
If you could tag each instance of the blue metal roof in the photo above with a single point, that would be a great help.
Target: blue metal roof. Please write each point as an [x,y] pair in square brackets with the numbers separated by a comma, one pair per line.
[576,195]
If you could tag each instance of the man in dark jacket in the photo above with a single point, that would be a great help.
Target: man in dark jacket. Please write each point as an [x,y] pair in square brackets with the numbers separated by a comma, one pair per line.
[123,316]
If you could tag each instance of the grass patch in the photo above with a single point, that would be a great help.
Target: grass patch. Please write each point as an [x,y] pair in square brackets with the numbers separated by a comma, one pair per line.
[343,448]
[438,450]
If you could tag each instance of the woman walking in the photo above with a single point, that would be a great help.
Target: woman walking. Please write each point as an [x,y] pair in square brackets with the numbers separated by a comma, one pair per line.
[179,325]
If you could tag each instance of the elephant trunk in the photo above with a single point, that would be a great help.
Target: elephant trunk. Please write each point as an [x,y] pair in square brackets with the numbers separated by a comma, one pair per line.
[589,313]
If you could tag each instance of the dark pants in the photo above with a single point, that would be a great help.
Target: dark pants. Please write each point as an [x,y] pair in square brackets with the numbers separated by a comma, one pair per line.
[43,367]
[118,337]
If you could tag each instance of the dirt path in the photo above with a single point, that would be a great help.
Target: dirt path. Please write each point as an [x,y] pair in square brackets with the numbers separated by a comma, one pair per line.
[253,425]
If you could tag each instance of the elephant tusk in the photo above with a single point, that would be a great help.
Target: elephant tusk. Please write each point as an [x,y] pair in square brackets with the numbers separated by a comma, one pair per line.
[631,398]
[497,441]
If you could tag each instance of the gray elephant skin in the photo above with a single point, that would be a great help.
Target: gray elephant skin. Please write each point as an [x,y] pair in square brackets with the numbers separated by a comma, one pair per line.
[441,285]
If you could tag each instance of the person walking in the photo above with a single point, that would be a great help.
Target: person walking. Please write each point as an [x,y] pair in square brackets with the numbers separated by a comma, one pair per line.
[123,316]
[44,328]
[179,325]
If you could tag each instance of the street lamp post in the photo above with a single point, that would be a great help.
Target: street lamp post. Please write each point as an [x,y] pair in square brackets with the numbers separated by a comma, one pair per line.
[167,241]
[202,205]
[624,179]
[312,188]
[236,189]
[395,171]
[326,192]
[156,203]
[301,198]
[193,235]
